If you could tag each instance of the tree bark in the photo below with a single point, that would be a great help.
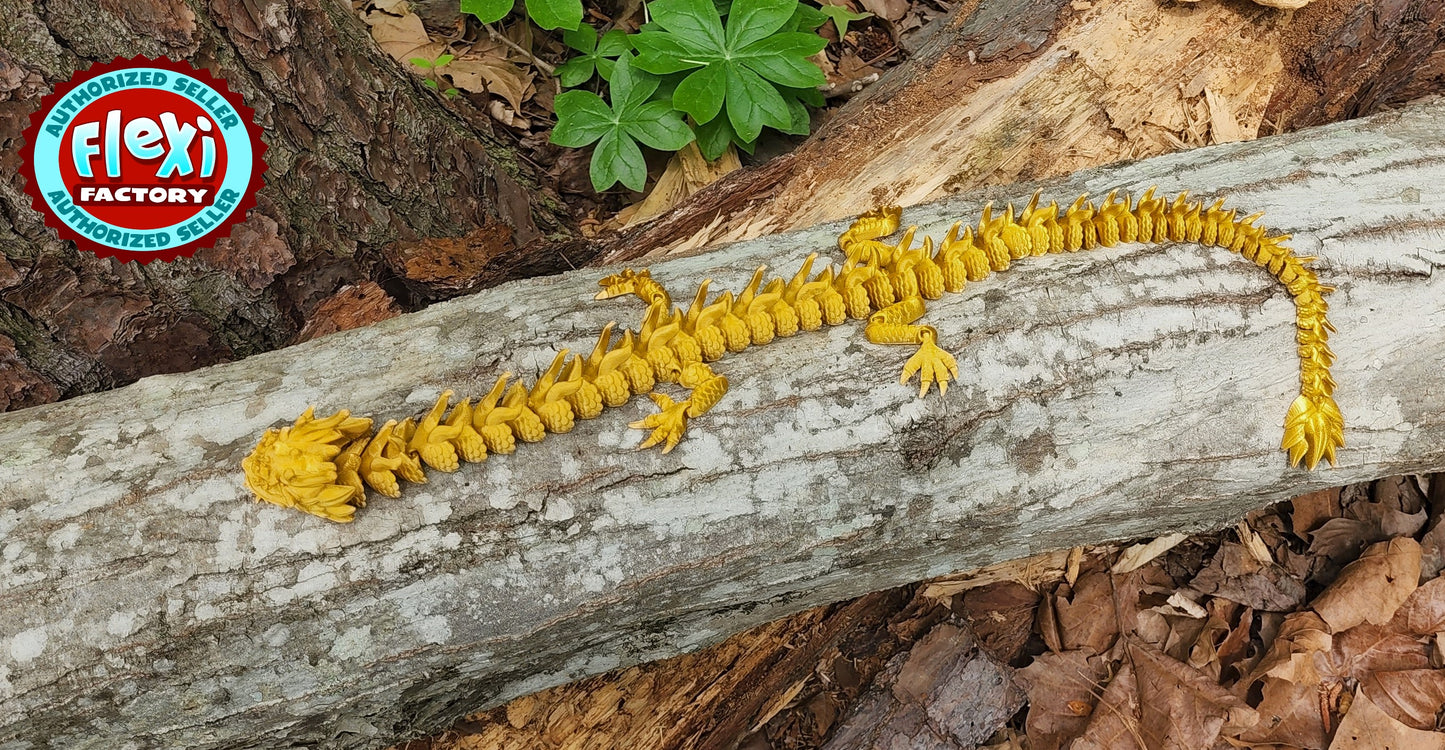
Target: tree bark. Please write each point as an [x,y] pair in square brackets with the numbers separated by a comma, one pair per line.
[370,173]
[1010,90]
[1104,395]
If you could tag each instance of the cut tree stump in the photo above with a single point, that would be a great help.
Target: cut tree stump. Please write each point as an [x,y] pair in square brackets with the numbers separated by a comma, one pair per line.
[1103,395]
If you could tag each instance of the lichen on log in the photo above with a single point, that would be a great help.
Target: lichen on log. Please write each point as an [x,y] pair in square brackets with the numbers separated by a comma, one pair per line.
[1104,395]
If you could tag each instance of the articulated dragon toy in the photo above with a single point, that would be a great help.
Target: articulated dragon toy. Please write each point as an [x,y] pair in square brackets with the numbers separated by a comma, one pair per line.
[323,466]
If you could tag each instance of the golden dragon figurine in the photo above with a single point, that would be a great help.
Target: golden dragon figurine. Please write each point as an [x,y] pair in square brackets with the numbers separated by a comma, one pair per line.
[323,466]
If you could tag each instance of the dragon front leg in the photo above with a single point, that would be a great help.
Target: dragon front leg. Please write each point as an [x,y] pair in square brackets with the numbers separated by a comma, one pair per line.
[668,425]
[894,325]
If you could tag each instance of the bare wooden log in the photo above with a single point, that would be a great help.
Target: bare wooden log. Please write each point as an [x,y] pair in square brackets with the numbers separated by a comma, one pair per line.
[1104,395]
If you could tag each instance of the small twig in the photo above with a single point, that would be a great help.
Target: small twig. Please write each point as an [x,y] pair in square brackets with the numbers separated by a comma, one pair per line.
[848,88]
[886,53]
[499,37]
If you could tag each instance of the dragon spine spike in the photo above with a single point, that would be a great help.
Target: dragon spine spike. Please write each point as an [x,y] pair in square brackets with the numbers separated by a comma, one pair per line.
[324,465]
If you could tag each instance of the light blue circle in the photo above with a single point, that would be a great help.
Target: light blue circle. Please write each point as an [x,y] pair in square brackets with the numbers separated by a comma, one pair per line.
[46,157]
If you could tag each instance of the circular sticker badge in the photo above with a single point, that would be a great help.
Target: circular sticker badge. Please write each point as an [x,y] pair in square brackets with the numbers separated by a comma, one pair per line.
[143,159]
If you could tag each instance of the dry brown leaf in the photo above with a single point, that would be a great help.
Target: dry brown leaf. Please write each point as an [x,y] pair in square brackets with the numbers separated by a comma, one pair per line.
[1035,572]
[1361,650]
[1138,555]
[1367,727]
[687,172]
[891,10]
[404,38]
[1235,573]
[1236,645]
[1364,523]
[851,68]
[1114,723]
[488,71]
[1307,512]
[1413,697]
[1297,658]
[1423,612]
[504,114]
[1432,546]
[1062,690]
[1371,588]
[1085,614]
[1180,707]
[1002,618]
[1289,714]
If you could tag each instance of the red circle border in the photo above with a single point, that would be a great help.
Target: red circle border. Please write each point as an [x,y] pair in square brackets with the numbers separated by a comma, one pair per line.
[222,230]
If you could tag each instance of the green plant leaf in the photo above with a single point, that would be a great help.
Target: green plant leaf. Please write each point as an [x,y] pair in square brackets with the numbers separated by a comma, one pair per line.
[655,124]
[753,103]
[841,16]
[575,72]
[701,94]
[809,95]
[421,62]
[582,117]
[618,159]
[583,38]
[595,54]
[713,137]
[661,53]
[487,11]
[630,88]
[754,20]
[696,22]
[801,123]
[555,14]
[443,60]
[806,17]
[613,44]
[783,59]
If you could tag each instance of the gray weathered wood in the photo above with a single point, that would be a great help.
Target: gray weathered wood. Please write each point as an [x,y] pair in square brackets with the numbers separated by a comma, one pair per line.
[1104,395]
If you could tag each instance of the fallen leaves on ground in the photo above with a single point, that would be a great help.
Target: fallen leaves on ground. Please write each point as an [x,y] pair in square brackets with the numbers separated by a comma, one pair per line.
[1312,625]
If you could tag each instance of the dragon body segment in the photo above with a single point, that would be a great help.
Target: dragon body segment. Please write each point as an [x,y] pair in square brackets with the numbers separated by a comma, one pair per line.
[324,465]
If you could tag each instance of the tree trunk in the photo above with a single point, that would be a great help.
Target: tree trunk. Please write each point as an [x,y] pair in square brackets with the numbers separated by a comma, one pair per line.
[370,177]
[1103,395]
[1009,90]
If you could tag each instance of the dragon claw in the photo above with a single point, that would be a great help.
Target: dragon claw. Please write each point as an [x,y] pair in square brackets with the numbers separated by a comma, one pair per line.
[667,425]
[933,364]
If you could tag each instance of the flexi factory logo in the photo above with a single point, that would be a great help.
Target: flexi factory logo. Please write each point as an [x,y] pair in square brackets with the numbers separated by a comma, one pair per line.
[143,159]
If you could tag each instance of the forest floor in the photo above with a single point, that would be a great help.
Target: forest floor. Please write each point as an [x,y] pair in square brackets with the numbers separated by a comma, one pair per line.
[1316,623]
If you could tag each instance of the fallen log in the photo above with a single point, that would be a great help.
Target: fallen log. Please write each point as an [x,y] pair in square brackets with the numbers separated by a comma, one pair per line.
[1104,395]
[1008,90]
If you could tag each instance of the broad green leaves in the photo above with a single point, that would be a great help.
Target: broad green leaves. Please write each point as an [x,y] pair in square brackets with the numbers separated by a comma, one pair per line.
[487,11]
[731,78]
[841,16]
[741,66]
[583,118]
[549,14]
[598,54]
